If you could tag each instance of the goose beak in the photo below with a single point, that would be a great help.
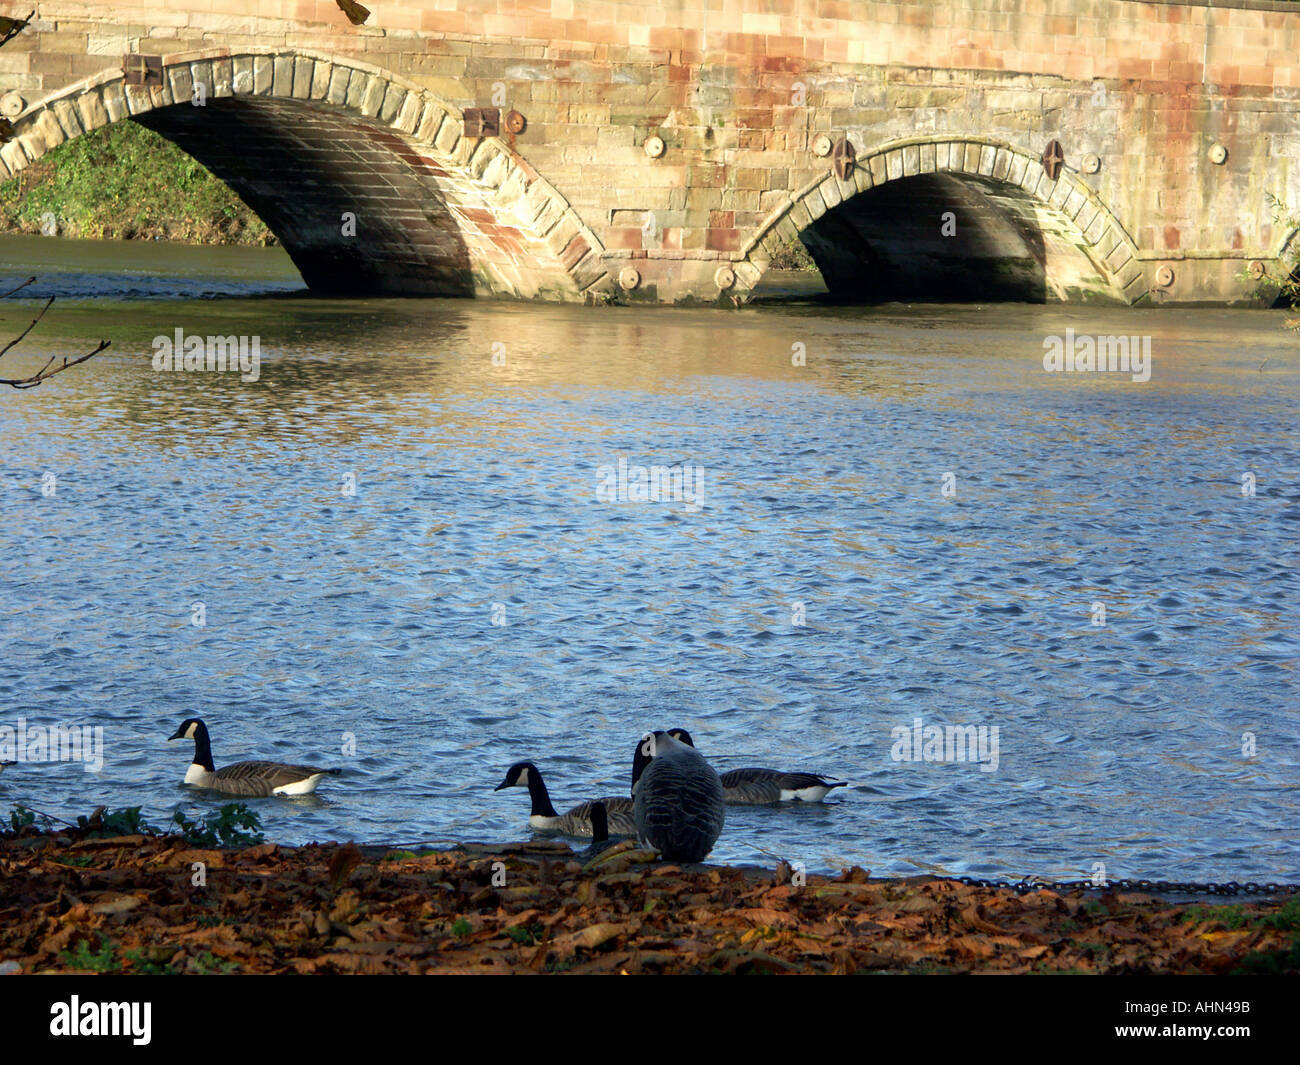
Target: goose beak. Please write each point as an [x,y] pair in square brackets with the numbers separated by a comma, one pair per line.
[177,735]
[503,784]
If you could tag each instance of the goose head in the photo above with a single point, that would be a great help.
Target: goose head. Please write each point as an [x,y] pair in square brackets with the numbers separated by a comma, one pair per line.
[519,775]
[651,744]
[189,729]
[681,736]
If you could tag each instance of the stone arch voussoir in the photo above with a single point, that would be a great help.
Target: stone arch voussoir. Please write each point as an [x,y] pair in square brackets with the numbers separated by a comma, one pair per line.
[432,129]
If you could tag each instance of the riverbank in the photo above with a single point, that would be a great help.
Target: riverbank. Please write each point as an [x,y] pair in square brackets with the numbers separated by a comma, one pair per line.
[125,182]
[150,904]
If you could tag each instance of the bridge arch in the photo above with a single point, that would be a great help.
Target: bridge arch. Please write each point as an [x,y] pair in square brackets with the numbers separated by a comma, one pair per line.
[1074,248]
[305,137]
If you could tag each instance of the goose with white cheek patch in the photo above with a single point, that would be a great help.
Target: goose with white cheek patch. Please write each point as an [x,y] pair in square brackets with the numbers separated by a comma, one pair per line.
[248,779]
[677,798]
[576,822]
[762,787]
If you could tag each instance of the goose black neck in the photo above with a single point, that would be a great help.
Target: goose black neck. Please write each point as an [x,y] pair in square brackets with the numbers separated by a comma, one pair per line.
[538,793]
[203,749]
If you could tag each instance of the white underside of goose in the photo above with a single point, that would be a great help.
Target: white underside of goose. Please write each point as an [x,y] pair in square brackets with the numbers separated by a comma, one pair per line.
[300,787]
[201,778]
[814,794]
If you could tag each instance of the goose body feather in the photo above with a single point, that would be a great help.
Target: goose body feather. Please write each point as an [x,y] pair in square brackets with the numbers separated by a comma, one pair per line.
[758,787]
[677,800]
[577,822]
[258,779]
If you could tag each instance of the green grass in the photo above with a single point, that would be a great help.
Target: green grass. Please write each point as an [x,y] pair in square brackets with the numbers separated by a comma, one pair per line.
[124,181]
[1287,919]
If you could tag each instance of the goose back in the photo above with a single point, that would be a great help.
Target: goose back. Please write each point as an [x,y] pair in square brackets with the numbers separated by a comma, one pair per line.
[756,787]
[677,799]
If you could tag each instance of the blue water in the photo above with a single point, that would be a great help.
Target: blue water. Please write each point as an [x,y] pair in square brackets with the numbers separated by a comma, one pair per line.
[372,615]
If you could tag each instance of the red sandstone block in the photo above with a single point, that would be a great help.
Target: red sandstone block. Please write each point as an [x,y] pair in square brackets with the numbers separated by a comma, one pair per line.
[787,46]
[722,219]
[1171,237]
[722,239]
[444,21]
[574,251]
[624,237]
[672,238]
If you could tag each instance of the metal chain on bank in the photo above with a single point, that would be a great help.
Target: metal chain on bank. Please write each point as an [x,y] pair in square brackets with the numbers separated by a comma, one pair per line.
[1145,887]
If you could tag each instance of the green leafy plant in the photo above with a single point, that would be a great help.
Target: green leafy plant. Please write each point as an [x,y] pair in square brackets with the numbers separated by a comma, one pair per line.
[141,963]
[461,927]
[234,825]
[20,817]
[102,959]
[208,963]
[526,935]
[125,822]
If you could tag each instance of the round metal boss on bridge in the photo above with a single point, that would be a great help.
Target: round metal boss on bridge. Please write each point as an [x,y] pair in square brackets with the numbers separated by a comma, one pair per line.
[1165,276]
[629,278]
[1218,154]
[11,105]
[515,122]
[822,145]
[724,277]
[1256,269]
[654,147]
[1091,163]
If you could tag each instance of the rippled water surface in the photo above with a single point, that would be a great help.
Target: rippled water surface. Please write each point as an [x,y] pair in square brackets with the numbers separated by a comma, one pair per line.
[476,502]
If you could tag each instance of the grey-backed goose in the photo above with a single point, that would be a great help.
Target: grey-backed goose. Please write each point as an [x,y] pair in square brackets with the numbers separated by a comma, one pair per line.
[677,798]
[250,779]
[760,787]
[576,822]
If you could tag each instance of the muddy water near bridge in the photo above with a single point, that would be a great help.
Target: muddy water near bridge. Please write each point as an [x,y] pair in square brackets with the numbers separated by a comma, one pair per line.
[948,521]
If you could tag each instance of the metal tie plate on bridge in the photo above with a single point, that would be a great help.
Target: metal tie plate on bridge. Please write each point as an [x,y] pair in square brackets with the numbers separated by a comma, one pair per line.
[1053,160]
[142,69]
[842,158]
[482,122]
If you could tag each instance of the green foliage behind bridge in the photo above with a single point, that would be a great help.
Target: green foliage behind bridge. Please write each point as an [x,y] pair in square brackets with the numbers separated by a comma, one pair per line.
[126,182]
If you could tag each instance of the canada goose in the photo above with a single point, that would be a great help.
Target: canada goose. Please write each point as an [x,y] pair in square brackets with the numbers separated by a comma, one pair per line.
[254,779]
[577,822]
[677,798]
[760,787]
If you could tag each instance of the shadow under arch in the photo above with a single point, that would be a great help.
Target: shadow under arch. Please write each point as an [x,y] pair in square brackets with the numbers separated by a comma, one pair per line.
[364,176]
[1013,232]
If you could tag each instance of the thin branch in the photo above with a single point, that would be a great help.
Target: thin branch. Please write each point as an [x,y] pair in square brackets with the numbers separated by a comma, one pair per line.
[30,281]
[45,372]
[32,382]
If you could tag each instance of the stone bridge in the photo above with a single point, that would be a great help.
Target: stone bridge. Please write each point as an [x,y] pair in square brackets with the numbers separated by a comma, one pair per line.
[1075,150]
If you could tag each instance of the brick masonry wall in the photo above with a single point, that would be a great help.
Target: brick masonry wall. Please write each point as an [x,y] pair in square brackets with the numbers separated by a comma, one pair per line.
[738,90]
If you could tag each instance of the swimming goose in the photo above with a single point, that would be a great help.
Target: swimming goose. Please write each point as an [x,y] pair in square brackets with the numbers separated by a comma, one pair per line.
[252,779]
[677,798]
[760,787]
[577,822]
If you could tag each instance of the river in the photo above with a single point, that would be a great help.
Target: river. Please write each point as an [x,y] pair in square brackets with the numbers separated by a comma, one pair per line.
[411,548]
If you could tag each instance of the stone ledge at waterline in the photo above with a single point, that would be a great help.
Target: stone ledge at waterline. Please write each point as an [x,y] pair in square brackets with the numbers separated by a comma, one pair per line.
[151,904]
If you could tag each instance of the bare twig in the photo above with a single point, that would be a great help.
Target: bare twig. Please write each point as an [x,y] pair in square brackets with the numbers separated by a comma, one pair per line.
[45,372]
